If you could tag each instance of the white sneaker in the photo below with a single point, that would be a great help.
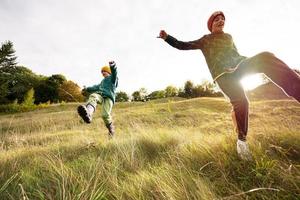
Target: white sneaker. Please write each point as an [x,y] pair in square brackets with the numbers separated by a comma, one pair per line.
[243,150]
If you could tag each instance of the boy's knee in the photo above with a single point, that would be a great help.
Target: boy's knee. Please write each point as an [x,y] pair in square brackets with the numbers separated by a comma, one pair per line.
[94,97]
[266,54]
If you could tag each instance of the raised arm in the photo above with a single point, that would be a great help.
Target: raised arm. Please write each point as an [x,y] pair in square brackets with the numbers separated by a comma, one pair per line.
[196,44]
[114,72]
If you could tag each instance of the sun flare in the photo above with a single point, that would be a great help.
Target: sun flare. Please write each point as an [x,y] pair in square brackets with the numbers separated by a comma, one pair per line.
[252,81]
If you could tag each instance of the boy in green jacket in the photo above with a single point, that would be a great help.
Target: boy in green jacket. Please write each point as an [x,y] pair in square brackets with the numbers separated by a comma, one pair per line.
[104,94]
[228,67]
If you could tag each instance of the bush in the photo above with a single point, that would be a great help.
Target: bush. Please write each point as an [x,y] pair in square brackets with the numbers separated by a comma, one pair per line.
[14,108]
[29,98]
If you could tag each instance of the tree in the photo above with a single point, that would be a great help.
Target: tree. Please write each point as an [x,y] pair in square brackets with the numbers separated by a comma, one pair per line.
[156,94]
[121,97]
[53,83]
[209,88]
[171,91]
[140,95]
[43,92]
[7,55]
[48,89]
[181,92]
[15,81]
[57,79]
[143,93]
[188,89]
[3,93]
[69,91]
[136,96]
[198,91]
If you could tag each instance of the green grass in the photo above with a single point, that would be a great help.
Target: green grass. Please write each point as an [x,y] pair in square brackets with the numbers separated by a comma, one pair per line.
[171,149]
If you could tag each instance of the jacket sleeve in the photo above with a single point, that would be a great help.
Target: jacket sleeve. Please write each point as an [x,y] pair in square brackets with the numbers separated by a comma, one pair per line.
[93,88]
[196,44]
[114,73]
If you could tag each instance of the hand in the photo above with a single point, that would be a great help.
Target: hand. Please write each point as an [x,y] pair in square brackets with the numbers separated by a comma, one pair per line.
[163,34]
[84,91]
[111,63]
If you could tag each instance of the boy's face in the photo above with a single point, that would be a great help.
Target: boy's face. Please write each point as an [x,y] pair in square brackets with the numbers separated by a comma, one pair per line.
[218,24]
[105,74]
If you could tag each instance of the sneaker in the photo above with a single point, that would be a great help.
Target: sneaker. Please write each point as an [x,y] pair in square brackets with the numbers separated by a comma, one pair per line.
[243,150]
[84,114]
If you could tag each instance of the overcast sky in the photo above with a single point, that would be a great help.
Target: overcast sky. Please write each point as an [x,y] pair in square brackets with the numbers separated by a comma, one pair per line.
[76,38]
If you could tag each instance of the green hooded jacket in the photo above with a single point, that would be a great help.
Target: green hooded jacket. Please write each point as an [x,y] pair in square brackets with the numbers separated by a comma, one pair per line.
[107,87]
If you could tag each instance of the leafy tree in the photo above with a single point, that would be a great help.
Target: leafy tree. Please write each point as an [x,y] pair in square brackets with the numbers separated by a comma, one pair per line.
[48,89]
[211,89]
[188,89]
[7,55]
[198,91]
[43,92]
[207,89]
[156,94]
[69,91]
[121,97]
[136,96]
[57,79]
[140,95]
[3,93]
[15,82]
[144,93]
[181,92]
[171,91]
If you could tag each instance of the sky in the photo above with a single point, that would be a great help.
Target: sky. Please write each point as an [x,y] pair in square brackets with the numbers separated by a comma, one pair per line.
[76,38]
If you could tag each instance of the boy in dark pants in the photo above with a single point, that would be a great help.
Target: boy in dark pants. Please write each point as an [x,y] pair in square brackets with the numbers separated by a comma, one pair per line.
[104,94]
[228,67]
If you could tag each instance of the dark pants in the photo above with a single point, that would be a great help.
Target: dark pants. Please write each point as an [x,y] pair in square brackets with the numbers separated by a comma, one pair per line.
[273,68]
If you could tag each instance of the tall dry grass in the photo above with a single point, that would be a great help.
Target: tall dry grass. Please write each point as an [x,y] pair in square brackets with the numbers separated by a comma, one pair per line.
[181,149]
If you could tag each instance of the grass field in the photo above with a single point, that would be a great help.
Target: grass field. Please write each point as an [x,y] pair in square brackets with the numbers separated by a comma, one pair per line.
[168,149]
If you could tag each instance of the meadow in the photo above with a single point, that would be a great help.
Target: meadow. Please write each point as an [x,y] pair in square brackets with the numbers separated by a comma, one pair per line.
[165,149]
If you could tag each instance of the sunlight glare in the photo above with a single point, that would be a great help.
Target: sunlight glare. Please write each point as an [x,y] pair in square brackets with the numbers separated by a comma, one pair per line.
[252,81]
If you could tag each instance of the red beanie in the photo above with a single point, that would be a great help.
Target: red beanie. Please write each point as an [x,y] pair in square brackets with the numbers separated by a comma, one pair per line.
[212,17]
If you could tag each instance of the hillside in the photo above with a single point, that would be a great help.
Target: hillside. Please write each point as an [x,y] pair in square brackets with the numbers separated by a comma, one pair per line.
[176,149]
[267,91]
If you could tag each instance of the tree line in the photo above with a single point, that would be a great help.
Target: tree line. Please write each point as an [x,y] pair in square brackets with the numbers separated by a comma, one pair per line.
[189,90]
[19,84]
[17,81]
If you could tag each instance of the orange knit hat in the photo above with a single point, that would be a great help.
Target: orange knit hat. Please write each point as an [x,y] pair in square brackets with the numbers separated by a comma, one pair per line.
[106,69]
[212,17]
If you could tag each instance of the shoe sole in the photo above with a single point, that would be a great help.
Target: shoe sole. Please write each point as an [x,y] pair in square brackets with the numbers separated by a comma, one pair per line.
[83,114]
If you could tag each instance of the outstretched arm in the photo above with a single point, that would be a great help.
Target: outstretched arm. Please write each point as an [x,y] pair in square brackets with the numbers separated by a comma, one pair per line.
[93,88]
[196,44]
